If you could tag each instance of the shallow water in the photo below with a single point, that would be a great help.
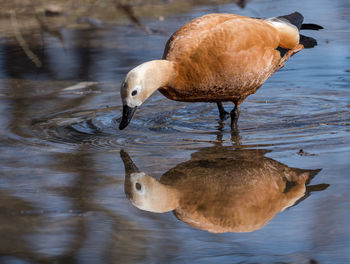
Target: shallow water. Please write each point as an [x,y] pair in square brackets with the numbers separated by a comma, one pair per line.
[62,176]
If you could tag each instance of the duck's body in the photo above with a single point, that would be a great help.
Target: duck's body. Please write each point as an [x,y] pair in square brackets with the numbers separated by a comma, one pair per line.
[217,58]
[223,57]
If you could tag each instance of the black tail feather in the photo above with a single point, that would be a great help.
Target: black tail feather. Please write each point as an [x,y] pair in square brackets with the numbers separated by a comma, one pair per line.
[308,42]
[295,18]
[311,26]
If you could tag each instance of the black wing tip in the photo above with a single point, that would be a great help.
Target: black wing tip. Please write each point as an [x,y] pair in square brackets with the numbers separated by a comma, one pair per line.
[311,27]
[307,42]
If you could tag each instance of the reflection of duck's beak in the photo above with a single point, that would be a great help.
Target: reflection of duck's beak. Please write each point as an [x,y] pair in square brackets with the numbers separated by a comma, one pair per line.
[130,168]
[129,165]
[128,113]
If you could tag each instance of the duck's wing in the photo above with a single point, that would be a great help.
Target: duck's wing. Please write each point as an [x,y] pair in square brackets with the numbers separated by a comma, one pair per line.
[187,39]
[182,41]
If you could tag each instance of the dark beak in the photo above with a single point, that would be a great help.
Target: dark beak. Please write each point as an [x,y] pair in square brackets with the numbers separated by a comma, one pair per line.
[128,113]
[130,167]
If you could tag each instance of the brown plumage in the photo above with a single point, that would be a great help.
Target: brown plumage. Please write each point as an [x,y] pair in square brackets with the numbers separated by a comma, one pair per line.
[221,189]
[216,58]
[221,57]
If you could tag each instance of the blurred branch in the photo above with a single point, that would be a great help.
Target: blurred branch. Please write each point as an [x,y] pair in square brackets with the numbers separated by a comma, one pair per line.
[54,32]
[21,41]
[130,13]
[127,9]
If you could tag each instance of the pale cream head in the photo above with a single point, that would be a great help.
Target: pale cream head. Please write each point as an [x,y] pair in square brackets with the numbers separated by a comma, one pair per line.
[142,81]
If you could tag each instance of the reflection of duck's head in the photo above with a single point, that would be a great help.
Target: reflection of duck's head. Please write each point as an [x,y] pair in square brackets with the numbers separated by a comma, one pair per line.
[147,193]
[220,189]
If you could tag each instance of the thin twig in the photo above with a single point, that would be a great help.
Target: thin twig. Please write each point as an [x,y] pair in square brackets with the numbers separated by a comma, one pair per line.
[22,42]
[128,10]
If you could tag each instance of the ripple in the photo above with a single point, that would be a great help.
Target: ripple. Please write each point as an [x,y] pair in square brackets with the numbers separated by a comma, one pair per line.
[99,129]
[182,126]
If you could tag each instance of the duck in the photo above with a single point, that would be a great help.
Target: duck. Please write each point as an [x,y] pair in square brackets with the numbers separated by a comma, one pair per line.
[221,189]
[217,58]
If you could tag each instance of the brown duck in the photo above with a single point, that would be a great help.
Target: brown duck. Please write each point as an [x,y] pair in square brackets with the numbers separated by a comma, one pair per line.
[217,58]
[221,189]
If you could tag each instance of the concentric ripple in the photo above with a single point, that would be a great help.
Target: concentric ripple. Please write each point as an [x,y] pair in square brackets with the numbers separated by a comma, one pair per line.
[99,129]
[184,123]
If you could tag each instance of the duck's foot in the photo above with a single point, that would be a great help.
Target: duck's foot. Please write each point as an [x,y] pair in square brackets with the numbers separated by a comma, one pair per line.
[222,113]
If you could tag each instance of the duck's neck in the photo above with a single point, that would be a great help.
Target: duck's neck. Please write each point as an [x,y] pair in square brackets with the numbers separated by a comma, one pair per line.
[158,74]
[165,198]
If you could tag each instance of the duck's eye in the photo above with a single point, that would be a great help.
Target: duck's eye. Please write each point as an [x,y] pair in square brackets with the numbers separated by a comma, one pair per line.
[138,186]
[134,93]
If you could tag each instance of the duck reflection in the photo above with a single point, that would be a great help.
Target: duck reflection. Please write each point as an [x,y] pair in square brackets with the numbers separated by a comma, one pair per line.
[221,189]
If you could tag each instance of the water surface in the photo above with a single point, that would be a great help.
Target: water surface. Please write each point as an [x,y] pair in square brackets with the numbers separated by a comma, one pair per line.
[62,177]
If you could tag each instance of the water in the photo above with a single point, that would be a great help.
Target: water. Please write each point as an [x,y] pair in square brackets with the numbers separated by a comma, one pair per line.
[62,176]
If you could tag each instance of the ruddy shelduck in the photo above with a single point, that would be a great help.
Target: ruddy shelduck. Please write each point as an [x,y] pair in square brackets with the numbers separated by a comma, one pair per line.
[217,58]
[221,189]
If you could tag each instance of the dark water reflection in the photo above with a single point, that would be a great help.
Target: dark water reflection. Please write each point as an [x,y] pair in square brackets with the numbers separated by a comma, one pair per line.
[62,178]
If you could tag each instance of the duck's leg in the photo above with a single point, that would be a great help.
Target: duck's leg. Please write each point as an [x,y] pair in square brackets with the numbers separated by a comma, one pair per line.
[222,112]
[234,117]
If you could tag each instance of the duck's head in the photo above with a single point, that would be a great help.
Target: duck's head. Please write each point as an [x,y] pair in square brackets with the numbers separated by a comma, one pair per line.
[140,83]
[147,193]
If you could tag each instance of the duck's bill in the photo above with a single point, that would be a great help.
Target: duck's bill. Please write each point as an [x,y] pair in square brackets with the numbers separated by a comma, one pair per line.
[128,113]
